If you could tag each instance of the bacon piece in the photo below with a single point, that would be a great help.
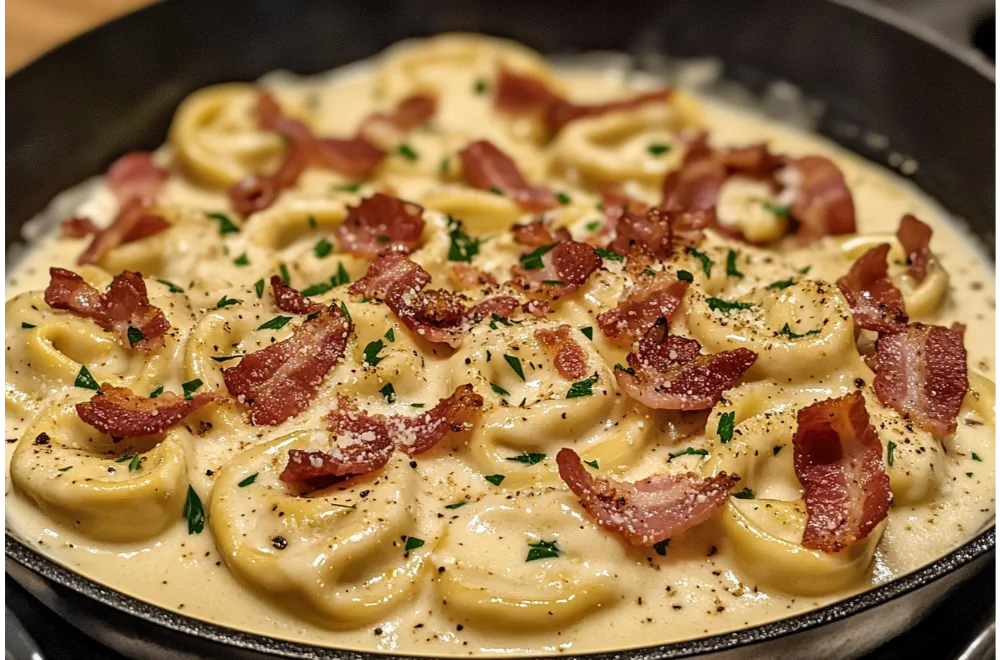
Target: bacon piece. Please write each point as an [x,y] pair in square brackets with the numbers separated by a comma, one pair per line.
[652,298]
[291,300]
[647,511]
[875,301]
[380,224]
[393,271]
[467,276]
[124,305]
[258,191]
[824,206]
[135,177]
[409,113]
[352,157]
[659,231]
[565,268]
[419,433]
[535,234]
[78,227]
[921,373]
[133,222]
[915,237]
[538,308]
[569,358]
[118,412]
[488,168]
[615,202]
[270,117]
[838,460]
[673,374]
[562,112]
[695,185]
[279,381]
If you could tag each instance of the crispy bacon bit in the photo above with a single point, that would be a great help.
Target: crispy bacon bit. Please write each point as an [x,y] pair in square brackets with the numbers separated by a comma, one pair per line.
[652,298]
[279,381]
[824,206]
[352,157]
[436,315]
[569,358]
[291,300]
[538,308]
[380,224]
[915,237]
[673,374]
[565,268]
[875,301]
[418,434]
[838,460]
[124,305]
[615,202]
[135,177]
[660,232]
[409,113]
[121,414]
[133,222]
[258,191]
[647,511]
[921,372]
[488,168]
[467,276]
[562,112]
[535,234]
[271,118]
[78,227]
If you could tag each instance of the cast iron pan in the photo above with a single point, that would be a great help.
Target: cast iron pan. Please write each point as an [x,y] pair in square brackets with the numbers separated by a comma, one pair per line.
[73,111]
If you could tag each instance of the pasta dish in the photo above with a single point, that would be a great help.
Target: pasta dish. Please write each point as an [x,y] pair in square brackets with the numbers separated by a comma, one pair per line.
[462,352]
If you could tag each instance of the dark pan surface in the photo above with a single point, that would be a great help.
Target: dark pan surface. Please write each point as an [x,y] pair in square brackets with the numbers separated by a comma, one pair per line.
[72,112]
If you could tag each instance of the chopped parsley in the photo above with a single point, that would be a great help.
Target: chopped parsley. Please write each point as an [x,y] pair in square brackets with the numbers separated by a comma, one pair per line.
[745,494]
[343,310]
[412,543]
[194,512]
[66,469]
[495,479]
[27,326]
[658,149]
[649,271]
[563,198]
[317,289]
[226,225]
[502,320]
[621,367]
[312,222]
[588,332]
[285,277]
[134,335]
[786,331]
[533,260]
[157,392]
[778,210]
[277,323]
[661,547]
[685,276]
[608,254]
[135,464]
[593,225]
[890,456]
[976,457]
[191,387]
[417,405]
[389,392]
[720,305]
[372,350]
[407,152]
[689,451]
[594,464]
[725,428]
[496,191]
[173,288]
[706,262]
[582,388]
[776,449]
[528,458]
[259,288]
[499,390]
[347,187]
[542,550]
[226,302]
[805,270]
[249,480]
[515,364]
[85,380]
[242,260]
[342,277]
[781,284]
[444,166]
[390,334]
[480,86]
[731,269]
[225,358]
[462,247]
[322,248]
[456,505]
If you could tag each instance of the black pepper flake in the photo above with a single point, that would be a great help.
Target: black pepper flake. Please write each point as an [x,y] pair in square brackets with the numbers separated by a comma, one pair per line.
[279,542]
[42,439]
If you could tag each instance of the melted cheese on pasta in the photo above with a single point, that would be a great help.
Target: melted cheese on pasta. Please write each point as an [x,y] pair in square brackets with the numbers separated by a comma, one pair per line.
[333,569]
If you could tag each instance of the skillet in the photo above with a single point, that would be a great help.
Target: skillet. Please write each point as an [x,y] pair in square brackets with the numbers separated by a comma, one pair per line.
[890,91]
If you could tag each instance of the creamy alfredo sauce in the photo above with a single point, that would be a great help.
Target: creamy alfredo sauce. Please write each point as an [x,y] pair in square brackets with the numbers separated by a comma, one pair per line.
[343,577]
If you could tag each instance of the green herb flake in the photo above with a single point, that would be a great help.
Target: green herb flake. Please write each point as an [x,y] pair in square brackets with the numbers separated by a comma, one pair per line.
[285,277]
[661,547]
[582,388]
[342,276]
[171,287]
[533,260]
[194,512]
[890,456]
[417,405]
[242,260]
[191,387]
[787,332]
[542,550]
[588,332]
[456,505]
[444,166]
[344,311]
[388,392]
[407,152]
[372,352]
[390,334]
[593,226]
[778,210]
[621,367]
[462,247]
[85,380]
[777,448]
[609,255]
[259,288]
[134,335]
[731,269]
[564,199]
[781,284]
[706,262]
[496,191]
[745,494]
[685,276]
[594,464]
[495,479]
[66,469]
[277,323]
[725,429]
[136,463]
[976,457]
[725,306]
[249,480]
[658,149]
[322,248]
[515,364]
[499,390]
[312,222]
[804,270]
[689,451]
[226,358]
[347,187]
[226,225]
[157,392]
[412,543]
[480,86]
[502,320]
[316,289]
[122,459]
[27,326]
[225,301]
[527,458]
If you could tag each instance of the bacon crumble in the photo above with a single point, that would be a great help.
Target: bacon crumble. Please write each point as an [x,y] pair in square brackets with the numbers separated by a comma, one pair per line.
[565,267]
[875,302]
[651,298]
[915,237]
[118,412]
[380,224]
[824,205]
[488,168]
[566,354]
[291,300]
[135,177]
[135,221]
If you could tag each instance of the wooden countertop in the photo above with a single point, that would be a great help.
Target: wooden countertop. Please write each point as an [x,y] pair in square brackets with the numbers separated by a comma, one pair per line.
[35,26]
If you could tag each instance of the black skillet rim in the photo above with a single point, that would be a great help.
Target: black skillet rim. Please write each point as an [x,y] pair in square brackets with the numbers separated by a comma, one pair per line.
[984,543]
